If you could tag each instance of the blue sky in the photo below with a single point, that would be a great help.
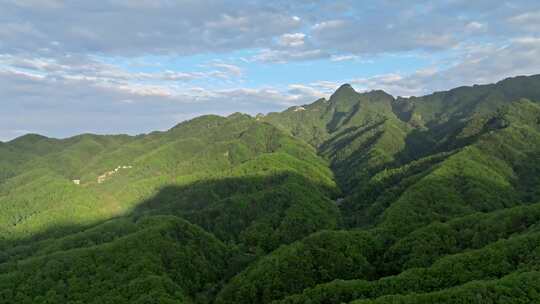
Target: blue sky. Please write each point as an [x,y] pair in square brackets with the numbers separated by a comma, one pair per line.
[125,66]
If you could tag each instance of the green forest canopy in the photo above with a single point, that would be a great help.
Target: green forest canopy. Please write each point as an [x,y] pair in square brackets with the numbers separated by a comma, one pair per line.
[361,198]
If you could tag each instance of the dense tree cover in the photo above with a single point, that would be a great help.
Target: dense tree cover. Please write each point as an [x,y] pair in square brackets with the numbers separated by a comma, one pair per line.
[317,259]
[515,288]
[258,212]
[427,244]
[519,287]
[99,234]
[189,157]
[164,260]
[359,197]
[494,261]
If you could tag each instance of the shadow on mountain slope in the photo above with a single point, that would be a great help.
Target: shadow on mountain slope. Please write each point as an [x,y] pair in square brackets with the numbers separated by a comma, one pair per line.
[261,212]
[409,200]
[227,221]
[258,212]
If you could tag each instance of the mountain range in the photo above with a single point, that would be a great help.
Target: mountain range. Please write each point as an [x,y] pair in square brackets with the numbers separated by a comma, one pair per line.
[358,198]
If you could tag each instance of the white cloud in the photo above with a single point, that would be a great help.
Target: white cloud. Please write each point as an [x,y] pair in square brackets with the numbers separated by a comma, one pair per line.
[57,58]
[341,27]
[476,26]
[478,64]
[528,17]
[300,91]
[343,57]
[325,86]
[154,27]
[329,25]
[65,106]
[533,41]
[230,69]
[283,56]
[90,69]
[292,40]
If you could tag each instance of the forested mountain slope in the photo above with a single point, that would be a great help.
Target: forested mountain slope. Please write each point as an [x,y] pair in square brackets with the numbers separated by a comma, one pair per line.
[203,162]
[362,197]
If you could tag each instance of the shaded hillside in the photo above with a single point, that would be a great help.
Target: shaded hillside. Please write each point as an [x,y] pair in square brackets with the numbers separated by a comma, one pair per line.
[127,268]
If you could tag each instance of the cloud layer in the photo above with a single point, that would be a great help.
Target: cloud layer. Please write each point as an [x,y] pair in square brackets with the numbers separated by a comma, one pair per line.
[63,63]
